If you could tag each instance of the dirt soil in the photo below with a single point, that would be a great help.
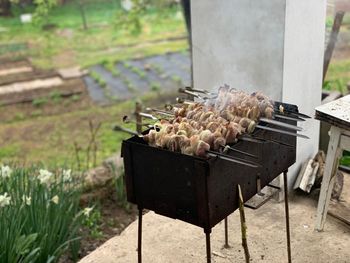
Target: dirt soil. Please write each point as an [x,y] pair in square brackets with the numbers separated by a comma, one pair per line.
[114,219]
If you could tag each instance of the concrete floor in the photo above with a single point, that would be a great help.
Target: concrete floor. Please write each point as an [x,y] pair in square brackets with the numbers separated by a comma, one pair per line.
[167,240]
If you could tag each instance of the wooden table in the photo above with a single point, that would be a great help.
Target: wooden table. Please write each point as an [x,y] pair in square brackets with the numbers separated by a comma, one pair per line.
[337,114]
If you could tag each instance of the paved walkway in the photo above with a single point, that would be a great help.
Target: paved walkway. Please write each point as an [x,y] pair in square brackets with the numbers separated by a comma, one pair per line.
[166,240]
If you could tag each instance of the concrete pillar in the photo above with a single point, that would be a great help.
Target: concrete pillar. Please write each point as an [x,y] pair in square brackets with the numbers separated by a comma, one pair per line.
[275,46]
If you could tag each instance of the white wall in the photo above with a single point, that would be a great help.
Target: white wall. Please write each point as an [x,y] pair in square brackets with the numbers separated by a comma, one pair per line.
[303,66]
[271,45]
[239,43]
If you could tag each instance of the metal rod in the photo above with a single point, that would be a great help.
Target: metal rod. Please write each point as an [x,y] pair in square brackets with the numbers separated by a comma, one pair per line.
[166,113]
[282,131]
[281,124]
[232,159]
[248,138]
[226,234]
[201,91]
[122,129]
[139,239]
[239,151]
[285,181]
[146,115]
[181,90]
[279,116]
[207,237]
[292,113]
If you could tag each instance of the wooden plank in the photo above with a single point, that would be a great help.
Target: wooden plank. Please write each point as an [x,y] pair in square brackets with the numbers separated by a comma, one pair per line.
[336,112]
[69,87]
[341,209]
[332,160]
[27,76]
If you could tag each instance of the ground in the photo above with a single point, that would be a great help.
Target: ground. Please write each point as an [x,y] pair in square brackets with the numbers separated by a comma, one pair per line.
[168,240]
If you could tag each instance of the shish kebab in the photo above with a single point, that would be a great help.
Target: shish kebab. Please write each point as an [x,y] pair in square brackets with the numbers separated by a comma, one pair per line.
[199,127]
[279,110]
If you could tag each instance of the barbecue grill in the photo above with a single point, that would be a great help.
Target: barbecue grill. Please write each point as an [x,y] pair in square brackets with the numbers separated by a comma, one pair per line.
[203,191]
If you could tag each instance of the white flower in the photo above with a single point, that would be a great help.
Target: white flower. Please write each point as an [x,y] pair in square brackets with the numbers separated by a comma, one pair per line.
[4,200]
[87,211]
[45,177]
[67,175]
[26,199]
[6,171]
[55,199]
[127,5]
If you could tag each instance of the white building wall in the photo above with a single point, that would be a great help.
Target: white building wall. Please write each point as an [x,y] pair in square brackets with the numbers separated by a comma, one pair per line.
[275,46]
[303,66]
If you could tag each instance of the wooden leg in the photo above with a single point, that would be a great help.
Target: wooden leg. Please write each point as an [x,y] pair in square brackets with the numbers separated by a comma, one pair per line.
[332,160]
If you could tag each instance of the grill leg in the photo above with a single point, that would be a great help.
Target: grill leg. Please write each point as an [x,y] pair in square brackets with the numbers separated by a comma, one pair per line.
[287,215]
[207,236]
[139,239]
[226,234]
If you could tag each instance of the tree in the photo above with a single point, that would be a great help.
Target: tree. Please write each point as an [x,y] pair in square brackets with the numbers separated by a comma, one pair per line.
[5,8]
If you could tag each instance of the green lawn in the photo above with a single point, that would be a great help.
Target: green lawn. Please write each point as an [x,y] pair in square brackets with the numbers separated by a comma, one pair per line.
[50,139]
[338,75]
[69,44]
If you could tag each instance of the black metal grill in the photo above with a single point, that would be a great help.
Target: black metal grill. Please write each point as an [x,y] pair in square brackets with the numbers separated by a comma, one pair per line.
[202,191]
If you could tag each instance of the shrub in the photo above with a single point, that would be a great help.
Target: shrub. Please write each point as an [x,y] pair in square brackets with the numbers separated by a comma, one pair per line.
[39,215]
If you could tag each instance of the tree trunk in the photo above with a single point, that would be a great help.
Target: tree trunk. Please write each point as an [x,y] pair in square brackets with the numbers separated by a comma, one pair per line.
[5,8]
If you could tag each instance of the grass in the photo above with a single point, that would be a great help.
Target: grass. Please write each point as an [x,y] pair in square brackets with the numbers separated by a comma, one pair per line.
[38,102]
[98,79]
[50,139]
[111,67]
[139,72]
[338,76]
[69,44]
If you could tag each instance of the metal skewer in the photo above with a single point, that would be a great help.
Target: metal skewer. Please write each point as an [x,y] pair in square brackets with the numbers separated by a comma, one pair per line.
[232,159]
[288,117]
[201,91]
[281,124]
[227,147]
[282,131]
[122,129]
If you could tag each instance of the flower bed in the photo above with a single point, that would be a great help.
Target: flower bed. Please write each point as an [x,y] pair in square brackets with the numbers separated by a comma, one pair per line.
[39,215]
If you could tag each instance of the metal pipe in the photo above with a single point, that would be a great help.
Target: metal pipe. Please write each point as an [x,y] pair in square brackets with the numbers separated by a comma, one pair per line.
[207,237]
[226,234]
[139,239]
[285,181]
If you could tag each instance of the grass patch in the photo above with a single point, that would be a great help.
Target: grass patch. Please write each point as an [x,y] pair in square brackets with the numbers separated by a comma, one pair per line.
[50,139]
[40,102]
[155,86]
[104,40]
[98,79]
[338,76]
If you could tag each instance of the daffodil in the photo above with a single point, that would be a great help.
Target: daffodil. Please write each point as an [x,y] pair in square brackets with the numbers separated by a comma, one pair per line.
[87,211]
[55,199]
[4,200]
[67,175]
[6,171]
[26,199]
[127,5]
[45,177]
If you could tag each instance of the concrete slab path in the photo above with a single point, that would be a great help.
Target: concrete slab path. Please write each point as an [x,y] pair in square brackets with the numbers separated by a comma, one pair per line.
[166,240]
